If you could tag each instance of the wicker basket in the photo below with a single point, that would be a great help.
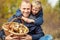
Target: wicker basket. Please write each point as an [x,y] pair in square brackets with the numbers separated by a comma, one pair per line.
[8,29]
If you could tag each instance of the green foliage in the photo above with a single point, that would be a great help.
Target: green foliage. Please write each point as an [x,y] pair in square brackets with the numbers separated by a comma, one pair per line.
[44,2]
[51,15]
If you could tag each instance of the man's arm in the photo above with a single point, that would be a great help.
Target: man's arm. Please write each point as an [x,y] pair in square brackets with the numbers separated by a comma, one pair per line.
[11,37]
[10,19]
[38,33]
[18,14]
[2,34]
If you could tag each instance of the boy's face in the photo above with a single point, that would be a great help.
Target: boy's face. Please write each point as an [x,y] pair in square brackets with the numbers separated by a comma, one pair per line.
[35,10]
[25,9]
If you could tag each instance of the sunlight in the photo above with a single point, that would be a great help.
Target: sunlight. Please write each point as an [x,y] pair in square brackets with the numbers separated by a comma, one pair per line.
[52,2]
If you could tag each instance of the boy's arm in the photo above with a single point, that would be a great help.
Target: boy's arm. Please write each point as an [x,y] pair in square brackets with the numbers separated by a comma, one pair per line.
[27,20]
[37,21]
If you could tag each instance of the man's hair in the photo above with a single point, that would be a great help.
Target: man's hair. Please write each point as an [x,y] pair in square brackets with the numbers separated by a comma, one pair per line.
[24,2]
[36,3]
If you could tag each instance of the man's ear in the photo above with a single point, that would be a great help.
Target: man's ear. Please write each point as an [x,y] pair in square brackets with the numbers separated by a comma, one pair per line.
[20,7]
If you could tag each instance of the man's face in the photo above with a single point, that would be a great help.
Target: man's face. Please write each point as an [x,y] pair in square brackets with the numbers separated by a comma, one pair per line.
[35,10]
[25,9]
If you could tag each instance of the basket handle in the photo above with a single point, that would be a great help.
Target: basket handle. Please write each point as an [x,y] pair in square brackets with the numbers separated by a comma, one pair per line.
[12,21]
[18,18]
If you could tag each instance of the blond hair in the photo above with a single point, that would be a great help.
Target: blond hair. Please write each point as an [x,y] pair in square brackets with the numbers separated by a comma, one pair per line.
[36,3]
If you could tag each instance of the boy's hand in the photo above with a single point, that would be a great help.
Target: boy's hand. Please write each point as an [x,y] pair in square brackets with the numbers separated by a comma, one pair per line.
[28,20]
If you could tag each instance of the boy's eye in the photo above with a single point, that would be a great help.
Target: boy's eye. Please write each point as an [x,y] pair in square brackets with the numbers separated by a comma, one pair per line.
[33,9]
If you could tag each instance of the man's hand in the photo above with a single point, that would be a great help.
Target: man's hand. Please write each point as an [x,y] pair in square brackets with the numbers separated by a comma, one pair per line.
[9,37]
[28,20]
[27,37]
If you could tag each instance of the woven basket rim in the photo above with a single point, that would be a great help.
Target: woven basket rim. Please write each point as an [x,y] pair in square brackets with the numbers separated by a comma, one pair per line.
[13,32]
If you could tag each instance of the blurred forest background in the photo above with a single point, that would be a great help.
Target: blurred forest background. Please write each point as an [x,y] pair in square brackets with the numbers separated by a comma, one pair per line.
[51,15]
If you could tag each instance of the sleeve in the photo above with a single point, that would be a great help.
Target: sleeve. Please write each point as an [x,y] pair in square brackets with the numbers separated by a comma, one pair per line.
[38,34]
[39,19]
[10,19]
[18,14]
[2,34]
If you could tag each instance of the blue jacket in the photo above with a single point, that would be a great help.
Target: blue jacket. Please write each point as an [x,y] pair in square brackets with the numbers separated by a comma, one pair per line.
[38,18]
[35,29]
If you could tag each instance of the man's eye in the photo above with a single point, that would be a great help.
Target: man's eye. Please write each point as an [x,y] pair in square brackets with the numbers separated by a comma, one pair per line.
[27,8]
[24,8]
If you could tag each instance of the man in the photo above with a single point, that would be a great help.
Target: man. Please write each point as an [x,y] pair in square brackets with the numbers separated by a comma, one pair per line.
[25,9]
[34,32]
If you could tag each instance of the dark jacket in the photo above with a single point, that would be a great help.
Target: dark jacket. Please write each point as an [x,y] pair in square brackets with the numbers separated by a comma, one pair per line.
[35,29]
[2,34]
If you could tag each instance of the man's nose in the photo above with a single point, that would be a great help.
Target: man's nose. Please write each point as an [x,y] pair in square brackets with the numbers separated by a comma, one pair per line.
[26,10]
